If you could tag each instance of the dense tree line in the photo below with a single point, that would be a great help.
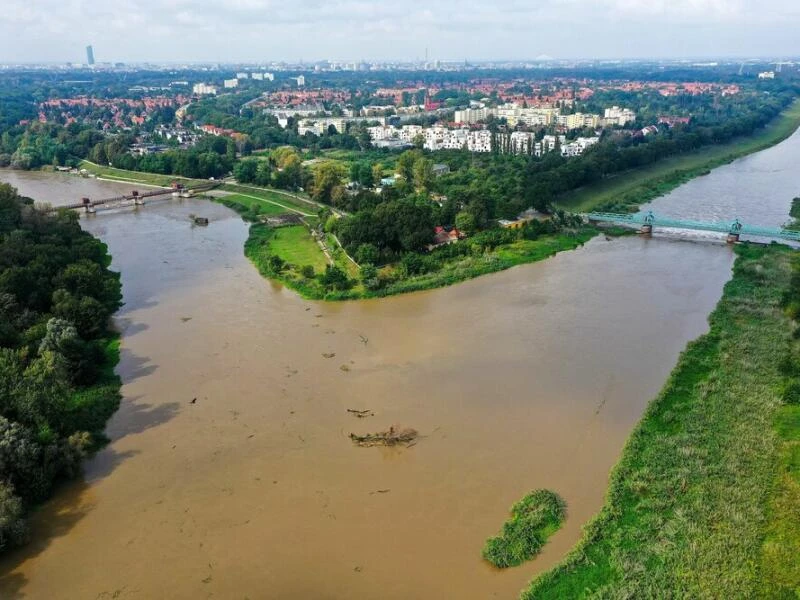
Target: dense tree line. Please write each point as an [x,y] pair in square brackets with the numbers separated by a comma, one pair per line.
[57,388]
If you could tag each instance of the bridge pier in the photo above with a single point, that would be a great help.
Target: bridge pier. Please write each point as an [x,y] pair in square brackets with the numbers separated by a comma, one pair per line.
[733,238]
[89,209]
[646,229]
[138,201]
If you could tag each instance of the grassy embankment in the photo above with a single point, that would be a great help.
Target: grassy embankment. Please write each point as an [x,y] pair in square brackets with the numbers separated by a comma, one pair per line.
[140,177]
[704,501]
[628,190]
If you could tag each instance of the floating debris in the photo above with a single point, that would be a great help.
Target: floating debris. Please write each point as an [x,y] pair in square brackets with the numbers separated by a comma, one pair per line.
[328,354]
[391,437]
[361,414]
[200,221]
[344,368]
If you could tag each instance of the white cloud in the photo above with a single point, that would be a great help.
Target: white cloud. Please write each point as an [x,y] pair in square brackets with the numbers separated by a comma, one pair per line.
[253,29]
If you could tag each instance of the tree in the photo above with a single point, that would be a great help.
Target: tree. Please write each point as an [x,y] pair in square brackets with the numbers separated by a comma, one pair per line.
[405,163]
[466,222]
[367,254]
[13,531]
[377,173]
[246,171]
[327,176]
[335,278]
[423,174]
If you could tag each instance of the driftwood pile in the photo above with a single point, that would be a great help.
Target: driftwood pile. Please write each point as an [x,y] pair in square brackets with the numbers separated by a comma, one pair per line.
[393,436]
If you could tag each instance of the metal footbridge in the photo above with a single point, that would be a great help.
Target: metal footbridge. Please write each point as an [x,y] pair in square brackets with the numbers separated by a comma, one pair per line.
[645,222]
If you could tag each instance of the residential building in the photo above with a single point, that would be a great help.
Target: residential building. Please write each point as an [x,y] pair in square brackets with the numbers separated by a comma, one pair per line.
[766,75]
[577,121]
[577,147]
[242,76]
[203,89]
[230,83]
[618,116]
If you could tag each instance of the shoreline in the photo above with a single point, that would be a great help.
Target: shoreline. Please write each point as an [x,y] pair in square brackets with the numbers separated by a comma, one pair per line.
[692,501]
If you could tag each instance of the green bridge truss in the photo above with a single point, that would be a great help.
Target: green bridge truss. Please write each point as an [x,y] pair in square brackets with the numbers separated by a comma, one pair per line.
[734,226]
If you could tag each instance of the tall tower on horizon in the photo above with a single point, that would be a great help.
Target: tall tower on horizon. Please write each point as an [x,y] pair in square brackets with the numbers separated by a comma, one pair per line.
[89,55]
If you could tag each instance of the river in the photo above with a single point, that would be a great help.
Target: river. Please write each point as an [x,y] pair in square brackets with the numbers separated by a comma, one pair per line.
[533,377]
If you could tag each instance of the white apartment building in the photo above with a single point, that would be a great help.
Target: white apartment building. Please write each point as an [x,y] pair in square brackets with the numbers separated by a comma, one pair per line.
[257,76]
[577,121]
[470,116]
[242,76]
[520,142]
[269,76]
[301,80]
[577,147]
[766,75]
[382,132]
[408,132]
[203,89]
[549,142]
[618,116]
[230,83]
[320,126]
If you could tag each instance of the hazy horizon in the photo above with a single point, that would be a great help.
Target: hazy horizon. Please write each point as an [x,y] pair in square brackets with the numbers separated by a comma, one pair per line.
[244,31]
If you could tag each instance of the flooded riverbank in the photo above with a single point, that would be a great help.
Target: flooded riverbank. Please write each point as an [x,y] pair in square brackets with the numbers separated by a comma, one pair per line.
[528,378]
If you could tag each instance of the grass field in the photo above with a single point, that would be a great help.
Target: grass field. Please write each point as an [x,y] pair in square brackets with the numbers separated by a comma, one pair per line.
[296,246]
[704,501]
[633,188]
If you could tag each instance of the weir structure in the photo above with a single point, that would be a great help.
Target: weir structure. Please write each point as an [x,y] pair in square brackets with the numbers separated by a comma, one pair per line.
[645,222]
[135,198]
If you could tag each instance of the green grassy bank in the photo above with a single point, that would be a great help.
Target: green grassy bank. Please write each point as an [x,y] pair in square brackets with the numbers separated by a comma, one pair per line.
[704,501]
[265,243]
[632,188]
[141,177]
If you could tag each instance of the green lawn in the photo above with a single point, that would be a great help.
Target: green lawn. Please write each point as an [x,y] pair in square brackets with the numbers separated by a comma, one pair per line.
[704,501]
[296,246]
[635,187]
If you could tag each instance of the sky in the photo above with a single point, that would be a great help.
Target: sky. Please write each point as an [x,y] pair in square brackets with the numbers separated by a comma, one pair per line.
[292,30]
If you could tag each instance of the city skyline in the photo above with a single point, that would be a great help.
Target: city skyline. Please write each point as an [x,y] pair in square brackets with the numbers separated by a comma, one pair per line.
[201,31]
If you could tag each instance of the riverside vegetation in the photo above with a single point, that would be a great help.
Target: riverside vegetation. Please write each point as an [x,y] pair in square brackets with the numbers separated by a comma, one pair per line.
[703,502]
[533,519]
[57,354]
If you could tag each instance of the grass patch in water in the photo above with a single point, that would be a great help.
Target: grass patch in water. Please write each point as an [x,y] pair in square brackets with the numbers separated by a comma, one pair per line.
[533,520]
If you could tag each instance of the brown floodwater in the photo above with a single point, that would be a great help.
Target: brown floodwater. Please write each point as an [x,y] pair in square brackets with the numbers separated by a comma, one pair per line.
[529,378]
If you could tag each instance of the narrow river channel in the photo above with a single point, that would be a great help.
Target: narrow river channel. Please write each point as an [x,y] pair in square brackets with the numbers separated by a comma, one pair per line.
[533,377]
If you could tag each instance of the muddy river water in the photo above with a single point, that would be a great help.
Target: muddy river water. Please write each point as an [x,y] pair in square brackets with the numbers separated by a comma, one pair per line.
[533,377]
